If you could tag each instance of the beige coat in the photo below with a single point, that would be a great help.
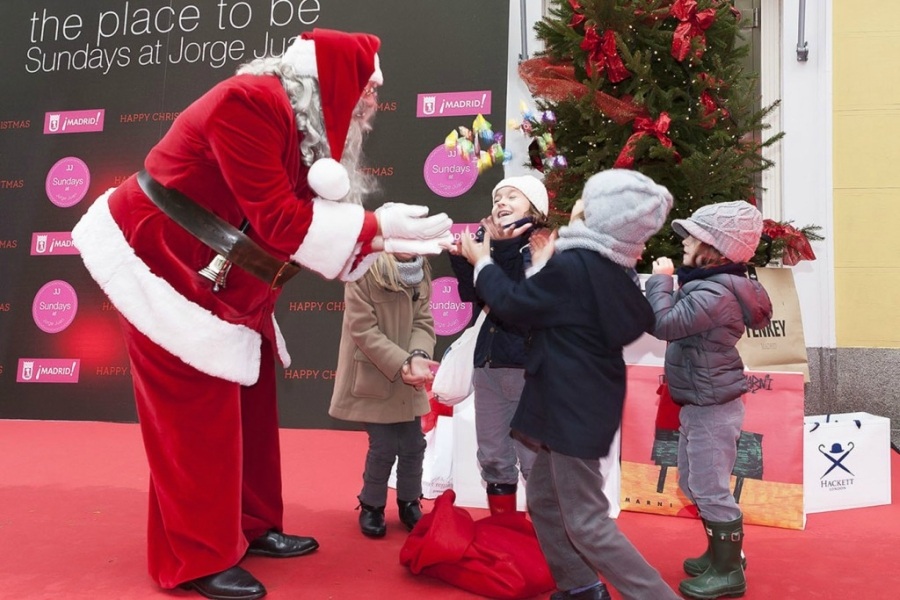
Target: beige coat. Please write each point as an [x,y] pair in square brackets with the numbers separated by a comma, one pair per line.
[379,330]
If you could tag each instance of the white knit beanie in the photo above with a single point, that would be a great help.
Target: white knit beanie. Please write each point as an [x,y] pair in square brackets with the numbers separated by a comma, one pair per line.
[624,209]
[531,187]
[732,228]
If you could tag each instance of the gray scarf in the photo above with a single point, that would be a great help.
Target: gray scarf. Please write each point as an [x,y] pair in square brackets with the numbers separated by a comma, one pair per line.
[579,235]
[411,273]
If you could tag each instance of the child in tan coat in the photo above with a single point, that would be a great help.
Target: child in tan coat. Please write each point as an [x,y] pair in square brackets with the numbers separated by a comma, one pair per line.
[384,362]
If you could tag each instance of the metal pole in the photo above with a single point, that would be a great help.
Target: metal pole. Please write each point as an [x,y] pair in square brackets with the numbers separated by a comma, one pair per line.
[802,49]
[524,29]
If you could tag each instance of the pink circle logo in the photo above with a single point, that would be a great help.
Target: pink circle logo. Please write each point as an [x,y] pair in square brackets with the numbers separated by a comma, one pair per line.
[447,174]
[450,314]
[54,306]
[457,230]
[68,182]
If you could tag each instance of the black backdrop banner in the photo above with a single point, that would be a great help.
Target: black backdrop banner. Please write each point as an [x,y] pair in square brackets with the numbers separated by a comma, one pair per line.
[90,86]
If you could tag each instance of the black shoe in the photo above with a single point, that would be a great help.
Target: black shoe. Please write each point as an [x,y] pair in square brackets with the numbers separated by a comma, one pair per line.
[371,520]
[598,592]
[410,513]
[231,584]
[280,545]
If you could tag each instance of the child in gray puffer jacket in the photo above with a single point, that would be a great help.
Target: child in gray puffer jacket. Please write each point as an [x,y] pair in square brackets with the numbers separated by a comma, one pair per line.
[703,321]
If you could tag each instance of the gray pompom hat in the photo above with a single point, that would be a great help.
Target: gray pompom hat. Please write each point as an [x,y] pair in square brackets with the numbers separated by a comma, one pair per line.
[732,228]
[624,209]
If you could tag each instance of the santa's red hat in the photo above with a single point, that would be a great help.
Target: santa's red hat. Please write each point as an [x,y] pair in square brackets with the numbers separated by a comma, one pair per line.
[344,64]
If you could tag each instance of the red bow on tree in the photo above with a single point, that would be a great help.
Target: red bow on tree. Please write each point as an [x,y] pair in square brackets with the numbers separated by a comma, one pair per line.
[710,110]
[603,54]
[644,126]
[796,245]
[577,17]
[693,24]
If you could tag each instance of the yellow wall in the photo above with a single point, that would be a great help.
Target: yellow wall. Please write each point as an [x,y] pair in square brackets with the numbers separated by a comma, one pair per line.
[867,172]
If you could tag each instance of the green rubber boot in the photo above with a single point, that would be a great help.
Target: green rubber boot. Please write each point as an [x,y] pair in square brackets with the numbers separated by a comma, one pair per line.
[696,566]
[725,576]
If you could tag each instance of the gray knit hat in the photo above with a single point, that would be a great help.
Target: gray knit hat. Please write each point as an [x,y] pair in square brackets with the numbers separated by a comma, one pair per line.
[623,209]
[732,228]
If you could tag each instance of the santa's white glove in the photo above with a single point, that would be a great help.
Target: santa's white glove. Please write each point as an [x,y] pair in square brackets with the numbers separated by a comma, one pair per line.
[410,222]
[434,246]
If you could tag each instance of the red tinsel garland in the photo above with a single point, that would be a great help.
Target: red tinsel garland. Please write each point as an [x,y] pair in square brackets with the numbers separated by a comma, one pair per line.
[556,82]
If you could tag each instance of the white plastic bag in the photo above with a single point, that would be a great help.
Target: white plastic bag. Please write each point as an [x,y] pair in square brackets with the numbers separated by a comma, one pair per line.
[453,381]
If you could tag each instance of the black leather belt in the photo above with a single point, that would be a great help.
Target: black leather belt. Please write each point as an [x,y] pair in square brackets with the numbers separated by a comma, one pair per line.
[216,233]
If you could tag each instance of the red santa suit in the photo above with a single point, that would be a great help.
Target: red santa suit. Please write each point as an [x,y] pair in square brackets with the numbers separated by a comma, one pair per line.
[203,361]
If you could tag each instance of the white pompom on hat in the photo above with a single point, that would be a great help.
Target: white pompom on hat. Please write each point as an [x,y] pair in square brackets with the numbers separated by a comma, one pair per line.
[344,65]
[531,187]
[733,228]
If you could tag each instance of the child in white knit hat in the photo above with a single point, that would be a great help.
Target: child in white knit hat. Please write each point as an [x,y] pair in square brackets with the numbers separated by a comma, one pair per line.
[703,321]
[581,309]
[519,207]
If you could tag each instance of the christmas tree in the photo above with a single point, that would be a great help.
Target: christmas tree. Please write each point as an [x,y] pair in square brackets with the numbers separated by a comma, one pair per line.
[658,86]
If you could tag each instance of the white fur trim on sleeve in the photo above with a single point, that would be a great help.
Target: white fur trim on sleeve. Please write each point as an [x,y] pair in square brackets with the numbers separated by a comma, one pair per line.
[332,237]
[157,310]
[281,345]
[352,274]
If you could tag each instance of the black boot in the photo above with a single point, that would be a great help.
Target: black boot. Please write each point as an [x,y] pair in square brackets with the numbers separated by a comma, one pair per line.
[725,575]
[598,592]
[410,512]
[371,520]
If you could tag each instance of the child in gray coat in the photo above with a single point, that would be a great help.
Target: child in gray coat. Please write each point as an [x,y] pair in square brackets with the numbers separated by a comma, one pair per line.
[703,321]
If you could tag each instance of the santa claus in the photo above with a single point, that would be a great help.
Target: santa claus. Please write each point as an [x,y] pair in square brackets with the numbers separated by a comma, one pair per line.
[254,179]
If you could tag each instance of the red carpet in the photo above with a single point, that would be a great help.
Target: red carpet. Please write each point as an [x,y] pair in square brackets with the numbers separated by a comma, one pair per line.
[73,504]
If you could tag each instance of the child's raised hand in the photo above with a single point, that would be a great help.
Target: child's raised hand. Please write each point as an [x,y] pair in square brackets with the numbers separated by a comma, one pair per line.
[473,251]
[542,243]
[663,266]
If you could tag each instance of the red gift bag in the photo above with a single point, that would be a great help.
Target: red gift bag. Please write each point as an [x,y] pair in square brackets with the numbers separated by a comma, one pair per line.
[496,557]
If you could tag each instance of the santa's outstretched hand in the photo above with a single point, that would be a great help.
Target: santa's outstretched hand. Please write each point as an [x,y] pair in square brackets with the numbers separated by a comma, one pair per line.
[407,228]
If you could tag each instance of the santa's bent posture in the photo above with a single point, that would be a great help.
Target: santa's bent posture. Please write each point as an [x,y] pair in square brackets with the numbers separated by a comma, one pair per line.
[256,177]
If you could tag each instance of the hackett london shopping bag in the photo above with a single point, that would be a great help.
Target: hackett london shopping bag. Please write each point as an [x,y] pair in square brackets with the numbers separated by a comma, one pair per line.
[781,346]
[847,461]
[767,479]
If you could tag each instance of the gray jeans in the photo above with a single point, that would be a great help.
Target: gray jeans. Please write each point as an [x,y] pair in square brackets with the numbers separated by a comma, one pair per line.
[497,393]
[707,449]
[404,442]
[571,518]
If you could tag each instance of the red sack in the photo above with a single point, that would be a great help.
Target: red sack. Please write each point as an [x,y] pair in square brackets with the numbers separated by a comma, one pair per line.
[497,557]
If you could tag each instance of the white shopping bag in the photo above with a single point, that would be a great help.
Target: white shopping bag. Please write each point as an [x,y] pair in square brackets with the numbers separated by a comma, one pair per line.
[437,466]
[470,488]
[846,461]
